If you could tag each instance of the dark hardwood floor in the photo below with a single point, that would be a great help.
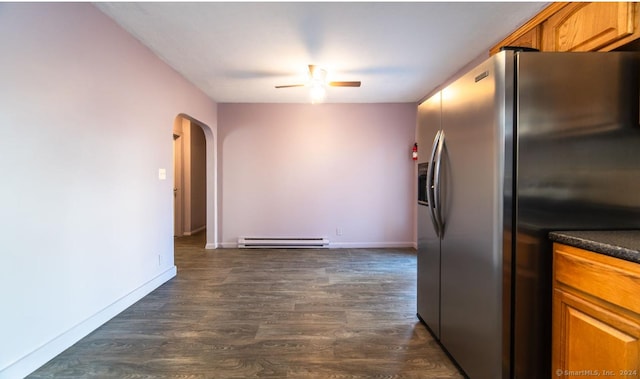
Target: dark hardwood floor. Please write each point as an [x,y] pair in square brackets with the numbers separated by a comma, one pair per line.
[229,313]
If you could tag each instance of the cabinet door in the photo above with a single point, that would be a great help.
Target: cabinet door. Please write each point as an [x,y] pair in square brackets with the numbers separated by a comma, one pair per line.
[592,340]
[529,34]
[588,26]
[531,38]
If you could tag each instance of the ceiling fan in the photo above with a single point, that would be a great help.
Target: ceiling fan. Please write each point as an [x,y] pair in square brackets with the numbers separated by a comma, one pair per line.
[318,75]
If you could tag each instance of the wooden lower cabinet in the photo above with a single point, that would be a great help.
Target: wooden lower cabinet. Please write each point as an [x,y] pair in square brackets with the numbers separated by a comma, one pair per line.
[591,339]
[596,315]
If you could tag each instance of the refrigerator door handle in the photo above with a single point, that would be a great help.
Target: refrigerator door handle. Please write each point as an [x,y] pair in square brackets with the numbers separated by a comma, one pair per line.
[437,190]
[430,184]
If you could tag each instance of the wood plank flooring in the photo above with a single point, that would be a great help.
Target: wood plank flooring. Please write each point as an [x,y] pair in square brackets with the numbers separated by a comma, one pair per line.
[229,313]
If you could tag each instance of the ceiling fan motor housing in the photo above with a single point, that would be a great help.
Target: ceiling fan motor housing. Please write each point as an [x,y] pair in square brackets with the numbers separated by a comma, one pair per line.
[318,78]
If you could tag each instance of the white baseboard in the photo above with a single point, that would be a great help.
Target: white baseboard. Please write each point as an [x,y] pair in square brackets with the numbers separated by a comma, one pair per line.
[347,245]
[196,230]
[210,246]
[32,361]
[370,245]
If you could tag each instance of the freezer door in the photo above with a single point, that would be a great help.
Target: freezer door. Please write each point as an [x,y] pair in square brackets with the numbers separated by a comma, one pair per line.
[474,119]
[428,241]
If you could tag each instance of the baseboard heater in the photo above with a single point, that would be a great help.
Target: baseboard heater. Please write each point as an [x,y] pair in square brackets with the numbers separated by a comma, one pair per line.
[281,242]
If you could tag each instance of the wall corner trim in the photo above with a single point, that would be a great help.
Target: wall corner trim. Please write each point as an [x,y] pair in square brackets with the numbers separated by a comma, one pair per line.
[32,361]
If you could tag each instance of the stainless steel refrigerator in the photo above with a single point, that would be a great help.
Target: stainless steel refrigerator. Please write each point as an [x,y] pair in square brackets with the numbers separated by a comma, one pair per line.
[524,144]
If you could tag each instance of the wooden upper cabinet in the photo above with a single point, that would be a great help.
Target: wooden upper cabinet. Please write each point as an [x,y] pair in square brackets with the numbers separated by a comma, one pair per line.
[529,39]
[530,34]
[588,26]
[578,26]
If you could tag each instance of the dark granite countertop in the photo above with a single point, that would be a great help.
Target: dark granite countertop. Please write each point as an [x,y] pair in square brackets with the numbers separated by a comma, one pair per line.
[623,244]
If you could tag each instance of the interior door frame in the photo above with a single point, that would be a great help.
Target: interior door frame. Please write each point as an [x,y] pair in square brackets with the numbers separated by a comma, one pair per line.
[178,185]
[211,136]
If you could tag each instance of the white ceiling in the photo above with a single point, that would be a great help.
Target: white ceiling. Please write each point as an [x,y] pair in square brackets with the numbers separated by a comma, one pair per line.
[236,52]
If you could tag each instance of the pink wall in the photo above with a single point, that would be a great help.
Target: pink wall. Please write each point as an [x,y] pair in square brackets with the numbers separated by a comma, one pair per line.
[307,170]
[86,114]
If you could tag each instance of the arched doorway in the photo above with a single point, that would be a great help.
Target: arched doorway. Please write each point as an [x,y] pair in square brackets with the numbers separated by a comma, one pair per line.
[194,179]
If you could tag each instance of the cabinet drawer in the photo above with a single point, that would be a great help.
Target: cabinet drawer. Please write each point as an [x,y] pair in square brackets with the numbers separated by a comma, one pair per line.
[613,280]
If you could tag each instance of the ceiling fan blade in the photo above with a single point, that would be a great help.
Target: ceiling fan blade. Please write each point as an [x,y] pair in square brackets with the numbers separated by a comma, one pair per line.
[344,84]
[291,85]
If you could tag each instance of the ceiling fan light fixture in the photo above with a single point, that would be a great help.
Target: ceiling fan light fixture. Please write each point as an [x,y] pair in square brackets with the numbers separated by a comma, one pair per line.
[318,84]
[317,74]
[317,93]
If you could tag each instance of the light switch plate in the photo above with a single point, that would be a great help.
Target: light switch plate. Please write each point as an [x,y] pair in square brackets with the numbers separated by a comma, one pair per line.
[162,174]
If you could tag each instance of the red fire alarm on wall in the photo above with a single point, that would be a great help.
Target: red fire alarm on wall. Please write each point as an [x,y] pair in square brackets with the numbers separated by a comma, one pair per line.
[414,152]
